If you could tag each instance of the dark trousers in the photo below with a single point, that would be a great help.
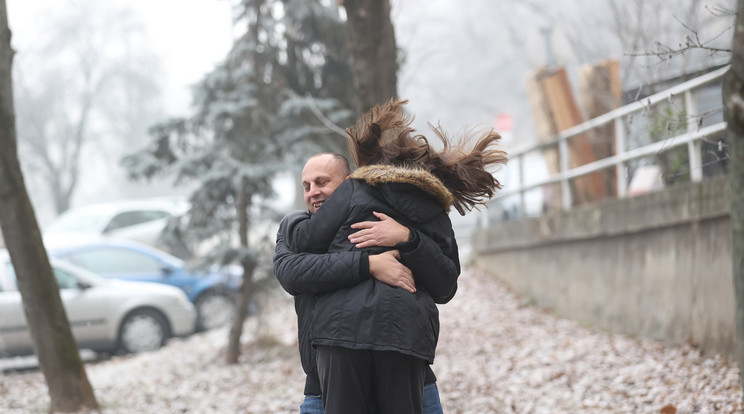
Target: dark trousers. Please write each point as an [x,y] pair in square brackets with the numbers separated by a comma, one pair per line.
[359,381]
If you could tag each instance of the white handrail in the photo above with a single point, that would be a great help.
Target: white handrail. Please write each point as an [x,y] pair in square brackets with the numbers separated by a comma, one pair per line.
[628,109]
[692,138]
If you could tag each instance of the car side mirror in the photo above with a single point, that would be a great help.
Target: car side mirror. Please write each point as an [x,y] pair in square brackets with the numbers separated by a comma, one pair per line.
[83,285]
[167,270]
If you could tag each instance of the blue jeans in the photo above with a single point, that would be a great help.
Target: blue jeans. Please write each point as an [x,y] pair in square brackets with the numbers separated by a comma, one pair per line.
[313,404]
[432,405]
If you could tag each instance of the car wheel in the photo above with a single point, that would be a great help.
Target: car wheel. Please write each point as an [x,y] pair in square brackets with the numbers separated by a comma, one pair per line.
[142,330]
[214,310]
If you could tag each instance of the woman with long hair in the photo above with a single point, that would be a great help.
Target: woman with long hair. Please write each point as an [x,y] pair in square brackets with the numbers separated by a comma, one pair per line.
[374,341]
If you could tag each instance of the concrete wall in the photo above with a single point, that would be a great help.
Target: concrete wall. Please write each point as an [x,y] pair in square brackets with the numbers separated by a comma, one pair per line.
[657,265]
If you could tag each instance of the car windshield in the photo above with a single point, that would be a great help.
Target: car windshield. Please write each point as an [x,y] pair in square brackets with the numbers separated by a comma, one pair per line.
[80,221]
[63,273]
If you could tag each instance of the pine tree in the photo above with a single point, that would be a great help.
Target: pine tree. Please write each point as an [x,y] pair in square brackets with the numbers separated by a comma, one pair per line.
[260,112]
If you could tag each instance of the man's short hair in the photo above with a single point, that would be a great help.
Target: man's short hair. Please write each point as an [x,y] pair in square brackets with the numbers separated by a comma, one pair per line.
[342,160]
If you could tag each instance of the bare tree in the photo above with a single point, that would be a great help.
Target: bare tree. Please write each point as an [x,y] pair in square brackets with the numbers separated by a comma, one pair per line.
[88,82]
[694,39]
[644,33]
[55,347]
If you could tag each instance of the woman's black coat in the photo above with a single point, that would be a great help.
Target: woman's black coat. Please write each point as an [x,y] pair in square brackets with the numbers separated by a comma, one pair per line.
[371,314]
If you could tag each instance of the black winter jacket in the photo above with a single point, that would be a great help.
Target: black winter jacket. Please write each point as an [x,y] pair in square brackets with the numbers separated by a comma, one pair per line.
[305,275]
[371,314]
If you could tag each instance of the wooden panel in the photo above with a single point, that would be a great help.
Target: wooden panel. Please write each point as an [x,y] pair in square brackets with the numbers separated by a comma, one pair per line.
[555,110]
[600,92]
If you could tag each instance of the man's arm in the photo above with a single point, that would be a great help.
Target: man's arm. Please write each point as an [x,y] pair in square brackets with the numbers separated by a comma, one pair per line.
[387,268]
[435,263]
[302,273]
[306,273]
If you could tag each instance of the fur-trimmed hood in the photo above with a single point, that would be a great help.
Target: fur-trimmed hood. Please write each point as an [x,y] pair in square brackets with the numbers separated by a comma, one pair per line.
[381,174]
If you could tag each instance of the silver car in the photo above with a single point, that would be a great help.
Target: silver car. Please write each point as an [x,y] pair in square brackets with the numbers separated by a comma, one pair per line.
[105,315]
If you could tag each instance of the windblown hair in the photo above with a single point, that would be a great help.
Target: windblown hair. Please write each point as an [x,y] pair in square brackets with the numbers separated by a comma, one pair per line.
[384,136]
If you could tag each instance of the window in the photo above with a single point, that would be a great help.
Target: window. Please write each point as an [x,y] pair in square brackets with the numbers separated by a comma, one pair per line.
[65,280]
[114,260]
[79,221]
[131,218]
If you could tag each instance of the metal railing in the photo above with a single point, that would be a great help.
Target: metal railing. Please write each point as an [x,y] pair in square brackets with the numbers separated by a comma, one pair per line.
[692,138]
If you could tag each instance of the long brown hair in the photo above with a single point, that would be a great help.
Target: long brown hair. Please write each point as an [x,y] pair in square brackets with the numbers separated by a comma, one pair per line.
[384,136]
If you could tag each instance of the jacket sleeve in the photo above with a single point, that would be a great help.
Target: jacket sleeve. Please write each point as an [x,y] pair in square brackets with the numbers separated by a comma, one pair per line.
[314,233]
[306,273]
[434,260]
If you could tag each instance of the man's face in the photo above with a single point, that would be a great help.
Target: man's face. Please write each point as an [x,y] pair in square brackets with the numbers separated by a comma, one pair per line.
[320,178]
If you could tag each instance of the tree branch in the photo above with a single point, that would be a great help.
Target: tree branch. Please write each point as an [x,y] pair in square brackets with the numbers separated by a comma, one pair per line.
[691,42]
[322,118]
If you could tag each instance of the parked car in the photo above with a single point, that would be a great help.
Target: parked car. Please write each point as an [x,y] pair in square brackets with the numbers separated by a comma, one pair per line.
[105,315]
[141,220]
[213,292]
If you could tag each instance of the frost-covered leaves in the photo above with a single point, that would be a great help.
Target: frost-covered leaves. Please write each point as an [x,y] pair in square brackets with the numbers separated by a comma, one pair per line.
[495,355]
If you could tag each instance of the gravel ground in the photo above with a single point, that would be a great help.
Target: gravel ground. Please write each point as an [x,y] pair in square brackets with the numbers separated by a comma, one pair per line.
[495,355]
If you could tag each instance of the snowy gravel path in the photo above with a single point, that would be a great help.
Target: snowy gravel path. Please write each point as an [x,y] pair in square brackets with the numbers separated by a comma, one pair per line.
[495,355]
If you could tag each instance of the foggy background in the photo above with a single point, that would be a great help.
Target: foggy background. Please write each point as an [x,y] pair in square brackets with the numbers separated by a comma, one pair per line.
[462,66]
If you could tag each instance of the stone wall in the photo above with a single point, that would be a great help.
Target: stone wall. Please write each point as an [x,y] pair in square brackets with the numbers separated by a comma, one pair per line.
[657,265]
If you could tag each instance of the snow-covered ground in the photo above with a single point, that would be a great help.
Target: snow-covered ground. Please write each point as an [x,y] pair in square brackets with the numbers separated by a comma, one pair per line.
[495,355]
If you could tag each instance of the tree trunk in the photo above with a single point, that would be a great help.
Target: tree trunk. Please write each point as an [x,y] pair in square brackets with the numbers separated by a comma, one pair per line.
[733,104]
[236,331]
[69,389]
[371,40]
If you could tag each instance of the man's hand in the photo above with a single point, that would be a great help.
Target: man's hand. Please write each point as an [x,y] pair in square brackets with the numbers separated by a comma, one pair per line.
[386,232]
[386,268]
